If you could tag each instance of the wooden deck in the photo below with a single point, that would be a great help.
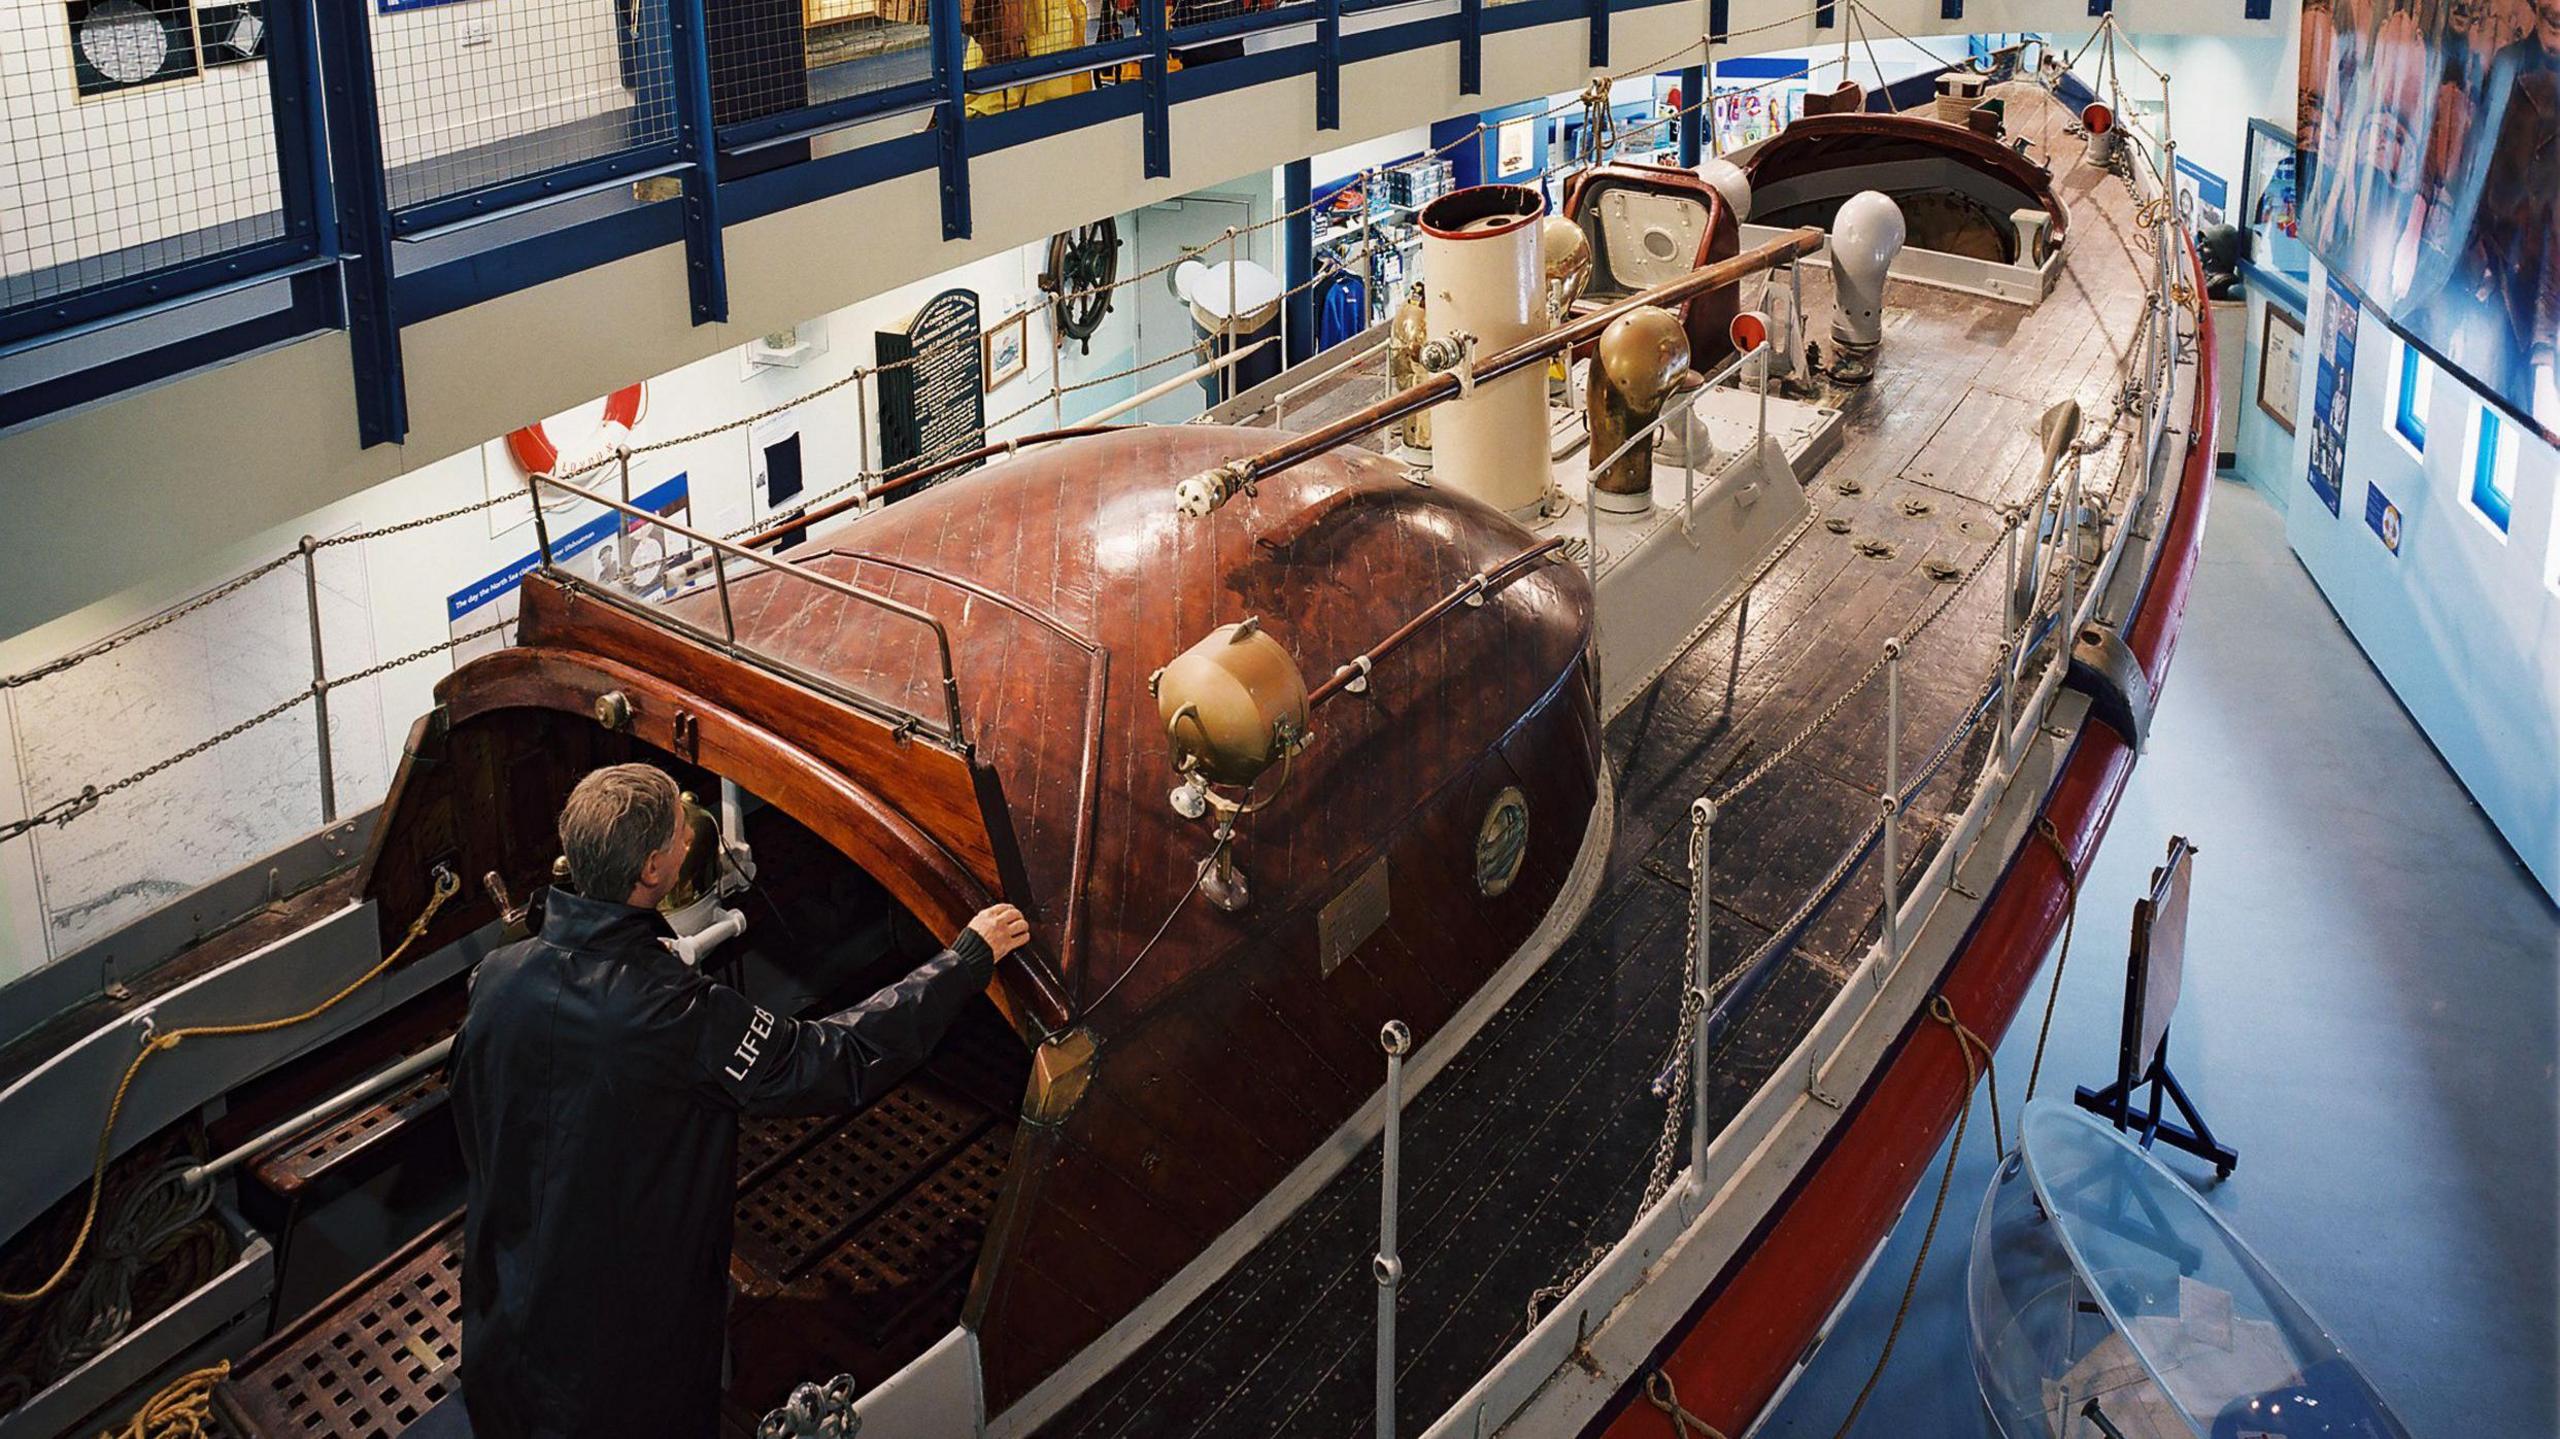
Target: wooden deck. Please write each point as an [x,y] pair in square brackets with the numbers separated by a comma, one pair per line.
[1536,1144]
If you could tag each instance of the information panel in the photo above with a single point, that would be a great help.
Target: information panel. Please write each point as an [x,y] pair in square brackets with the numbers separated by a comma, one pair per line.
[933,395]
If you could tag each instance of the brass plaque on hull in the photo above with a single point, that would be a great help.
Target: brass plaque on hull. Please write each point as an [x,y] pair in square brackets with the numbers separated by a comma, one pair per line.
[1349,918]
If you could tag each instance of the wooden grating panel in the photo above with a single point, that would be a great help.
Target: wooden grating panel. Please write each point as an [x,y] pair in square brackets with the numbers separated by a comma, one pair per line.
[864,1162]
[294,1164]
[392,1351]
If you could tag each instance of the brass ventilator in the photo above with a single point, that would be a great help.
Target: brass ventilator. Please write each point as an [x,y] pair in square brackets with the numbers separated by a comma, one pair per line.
[1234,706]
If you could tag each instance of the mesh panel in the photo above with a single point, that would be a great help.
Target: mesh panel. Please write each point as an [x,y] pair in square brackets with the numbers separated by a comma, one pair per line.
[477,95]
[1007,30]
[134,135]
[1199,12]
[771,57]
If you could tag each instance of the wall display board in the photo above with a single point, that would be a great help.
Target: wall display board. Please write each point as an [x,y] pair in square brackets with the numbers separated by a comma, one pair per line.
[629,556]
[2429,180]
[2382,517]
[2328,467]
[937,404]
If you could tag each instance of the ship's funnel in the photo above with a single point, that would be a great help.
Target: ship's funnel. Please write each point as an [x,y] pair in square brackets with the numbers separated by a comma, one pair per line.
[1865,237]
[1481,264]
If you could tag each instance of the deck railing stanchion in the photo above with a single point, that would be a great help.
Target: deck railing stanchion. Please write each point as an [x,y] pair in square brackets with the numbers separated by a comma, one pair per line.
[1892,810]
[1702,814]
[1395,1039]
[1764,387]
[319,679]
[720,581]
[541,524]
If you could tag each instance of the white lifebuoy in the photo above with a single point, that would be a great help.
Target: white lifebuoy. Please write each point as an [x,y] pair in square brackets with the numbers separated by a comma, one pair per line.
[536,453]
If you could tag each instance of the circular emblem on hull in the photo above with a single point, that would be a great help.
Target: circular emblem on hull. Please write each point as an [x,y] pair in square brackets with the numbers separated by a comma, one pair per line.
[1503,841]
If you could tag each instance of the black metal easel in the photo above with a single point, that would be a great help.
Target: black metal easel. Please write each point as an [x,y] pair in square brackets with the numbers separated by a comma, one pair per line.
[2154,969]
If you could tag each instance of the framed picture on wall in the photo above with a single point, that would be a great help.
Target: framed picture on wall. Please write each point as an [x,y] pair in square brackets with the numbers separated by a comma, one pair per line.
[1008,348]
[2279,366]
[125,44]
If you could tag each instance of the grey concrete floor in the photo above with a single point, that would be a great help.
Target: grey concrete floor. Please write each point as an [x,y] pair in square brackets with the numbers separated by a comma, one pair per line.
[2372,992]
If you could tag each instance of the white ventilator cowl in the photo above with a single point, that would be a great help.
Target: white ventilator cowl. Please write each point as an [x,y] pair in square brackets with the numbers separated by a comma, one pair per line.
[1727,179]
[1864,239]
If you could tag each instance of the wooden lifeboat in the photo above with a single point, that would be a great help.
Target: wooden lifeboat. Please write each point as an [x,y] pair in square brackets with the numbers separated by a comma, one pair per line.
[1186,1060]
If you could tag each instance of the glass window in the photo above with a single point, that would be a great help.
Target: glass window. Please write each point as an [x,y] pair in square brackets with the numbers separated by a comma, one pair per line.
[2493,470]
[2417,387]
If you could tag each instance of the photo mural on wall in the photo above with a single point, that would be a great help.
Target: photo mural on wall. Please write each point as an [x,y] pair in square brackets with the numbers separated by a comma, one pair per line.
[2430,152]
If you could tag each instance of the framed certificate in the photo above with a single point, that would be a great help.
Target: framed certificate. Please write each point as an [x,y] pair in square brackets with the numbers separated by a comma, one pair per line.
[2279,366]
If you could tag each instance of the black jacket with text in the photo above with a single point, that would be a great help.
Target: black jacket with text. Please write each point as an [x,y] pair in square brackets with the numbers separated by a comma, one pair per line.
[597,1084]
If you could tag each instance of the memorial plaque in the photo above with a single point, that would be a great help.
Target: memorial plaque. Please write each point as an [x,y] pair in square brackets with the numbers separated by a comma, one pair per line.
[936,405]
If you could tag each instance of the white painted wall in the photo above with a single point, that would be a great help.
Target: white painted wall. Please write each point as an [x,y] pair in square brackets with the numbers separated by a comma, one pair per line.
[2464,623]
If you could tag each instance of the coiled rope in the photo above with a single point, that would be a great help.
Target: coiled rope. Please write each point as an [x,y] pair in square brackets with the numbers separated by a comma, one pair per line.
[184,1410]
[446,887]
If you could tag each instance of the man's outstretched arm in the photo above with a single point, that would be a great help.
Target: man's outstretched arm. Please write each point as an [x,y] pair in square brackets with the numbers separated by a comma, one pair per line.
[764,1063]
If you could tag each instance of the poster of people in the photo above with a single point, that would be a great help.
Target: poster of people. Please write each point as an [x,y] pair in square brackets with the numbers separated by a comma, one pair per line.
[2430,149]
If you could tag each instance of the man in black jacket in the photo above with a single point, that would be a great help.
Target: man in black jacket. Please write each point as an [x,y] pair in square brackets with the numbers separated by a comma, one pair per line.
[597,1085]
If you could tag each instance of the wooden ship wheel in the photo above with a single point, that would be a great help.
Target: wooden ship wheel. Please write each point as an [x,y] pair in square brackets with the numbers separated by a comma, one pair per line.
[1082,264]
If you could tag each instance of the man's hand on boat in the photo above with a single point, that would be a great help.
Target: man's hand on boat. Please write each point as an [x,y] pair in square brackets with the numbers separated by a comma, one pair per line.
[1002,927]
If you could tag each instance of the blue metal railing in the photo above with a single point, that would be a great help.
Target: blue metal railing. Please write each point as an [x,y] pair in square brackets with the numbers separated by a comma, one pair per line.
[381,228]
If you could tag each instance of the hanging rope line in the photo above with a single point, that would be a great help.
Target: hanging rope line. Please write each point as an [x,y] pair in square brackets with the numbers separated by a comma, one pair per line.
[1971,1044]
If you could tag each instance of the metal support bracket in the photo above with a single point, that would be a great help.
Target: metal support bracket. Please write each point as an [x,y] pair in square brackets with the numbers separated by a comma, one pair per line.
[1155,117]
[706,265]
[2103,667]
[951,110]
[1328,64]
[1470,47]
[344,48]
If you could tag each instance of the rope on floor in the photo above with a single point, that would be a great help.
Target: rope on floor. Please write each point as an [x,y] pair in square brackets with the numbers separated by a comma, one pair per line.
[184,1410]
[1658,1392]
[446,887]
[1972,1046]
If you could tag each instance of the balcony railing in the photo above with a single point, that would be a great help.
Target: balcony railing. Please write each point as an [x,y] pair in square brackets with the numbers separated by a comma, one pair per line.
[314,165]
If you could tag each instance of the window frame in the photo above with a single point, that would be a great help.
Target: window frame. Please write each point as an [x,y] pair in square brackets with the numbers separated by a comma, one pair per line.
[2488,486]
[2414,390]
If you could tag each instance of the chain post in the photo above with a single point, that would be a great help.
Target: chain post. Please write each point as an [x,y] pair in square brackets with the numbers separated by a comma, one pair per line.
[1396,1040]
[1764,387]
[1892,810]
[1227,331]
[319,680]
[541,522]
[1702,818]
[720,580]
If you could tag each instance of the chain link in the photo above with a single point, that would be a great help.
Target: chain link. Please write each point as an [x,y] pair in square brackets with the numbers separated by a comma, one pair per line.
[158,622]
[63,811]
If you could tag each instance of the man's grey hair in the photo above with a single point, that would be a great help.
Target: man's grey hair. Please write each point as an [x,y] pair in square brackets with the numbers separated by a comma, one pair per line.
[616,818]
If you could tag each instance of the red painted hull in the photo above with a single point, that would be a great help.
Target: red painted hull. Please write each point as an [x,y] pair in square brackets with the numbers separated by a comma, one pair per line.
[1730,1357]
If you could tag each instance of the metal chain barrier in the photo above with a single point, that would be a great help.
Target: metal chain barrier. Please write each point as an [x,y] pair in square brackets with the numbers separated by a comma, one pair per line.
[63,811]
[117,642]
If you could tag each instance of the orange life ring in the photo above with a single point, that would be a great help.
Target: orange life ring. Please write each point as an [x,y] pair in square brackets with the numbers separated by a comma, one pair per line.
[537,454]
